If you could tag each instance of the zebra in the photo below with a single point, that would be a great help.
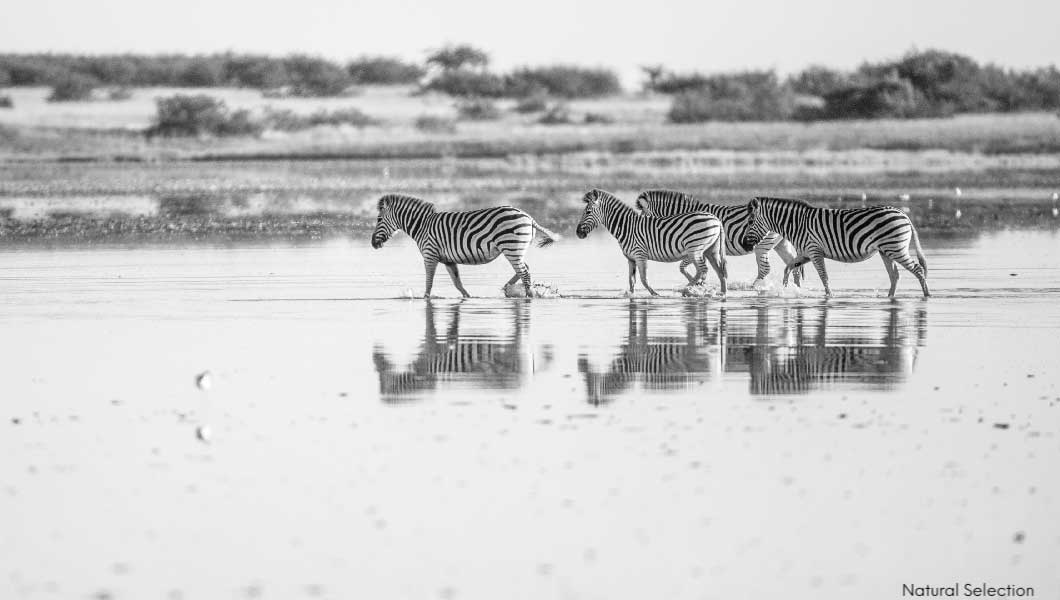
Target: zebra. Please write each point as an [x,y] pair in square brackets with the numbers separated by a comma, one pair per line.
[846,235]
[689,238]
[666,203]
[472,237]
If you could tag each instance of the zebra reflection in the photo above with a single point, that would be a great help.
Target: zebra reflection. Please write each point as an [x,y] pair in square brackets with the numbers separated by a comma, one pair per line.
[657,362]
[489,361]
[783,350]
[797,350]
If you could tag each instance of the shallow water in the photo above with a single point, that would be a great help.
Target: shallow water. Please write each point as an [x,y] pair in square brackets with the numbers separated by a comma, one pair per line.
[363,444]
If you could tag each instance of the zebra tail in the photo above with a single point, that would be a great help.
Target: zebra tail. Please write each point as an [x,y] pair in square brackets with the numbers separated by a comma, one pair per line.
[547,237]
[919,250]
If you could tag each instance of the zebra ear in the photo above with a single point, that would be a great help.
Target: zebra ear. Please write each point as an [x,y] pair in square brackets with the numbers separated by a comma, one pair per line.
[382,202]
[753,205]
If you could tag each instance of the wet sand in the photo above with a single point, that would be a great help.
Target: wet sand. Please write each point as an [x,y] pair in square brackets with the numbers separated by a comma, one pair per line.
[361,444]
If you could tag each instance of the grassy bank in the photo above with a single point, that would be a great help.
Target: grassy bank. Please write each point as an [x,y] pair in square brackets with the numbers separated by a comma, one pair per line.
[36,130]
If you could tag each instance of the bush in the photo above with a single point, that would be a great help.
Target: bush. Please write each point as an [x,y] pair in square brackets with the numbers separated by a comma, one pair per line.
[894,98]
[119,94]
[5,77]
[557,114]
[818,81]
[671,83]
[598,119]
[467,84]
[200,115]
[746,96]
[563,81]
[316,77]
[288,120]
[73,87]
[6,102]
[477,109]
[260,72]
[531,104]
[434,124]
[380,70]
[202,72]
[451,58]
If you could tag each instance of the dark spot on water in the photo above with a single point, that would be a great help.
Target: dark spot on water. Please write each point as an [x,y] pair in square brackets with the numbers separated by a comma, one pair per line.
[343,394]
[1013,274]
[842,415]
[1030,375]
[15,420]
[1019,537]
[447,593]
[1001,425]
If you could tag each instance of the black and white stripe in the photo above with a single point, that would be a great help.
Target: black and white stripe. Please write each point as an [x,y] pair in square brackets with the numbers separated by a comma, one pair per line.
[472,237]
[735,218]
[846,235]
[690,238]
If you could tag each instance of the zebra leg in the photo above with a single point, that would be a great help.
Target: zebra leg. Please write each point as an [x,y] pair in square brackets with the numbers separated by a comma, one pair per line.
[787,253]
[521,272]
[793,265]
[818,263]
[642,266]
[454,274]
[684,263]
[429,265]
[912,266]
[761,251]
[632,274]
[892,272]
[713,256]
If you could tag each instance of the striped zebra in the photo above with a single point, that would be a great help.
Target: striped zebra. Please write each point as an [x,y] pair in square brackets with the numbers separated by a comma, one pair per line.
[846,235]
[472,237]
[666,203]
[689,238]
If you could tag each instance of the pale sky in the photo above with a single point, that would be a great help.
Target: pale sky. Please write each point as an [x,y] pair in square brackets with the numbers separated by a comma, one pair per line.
[681,34]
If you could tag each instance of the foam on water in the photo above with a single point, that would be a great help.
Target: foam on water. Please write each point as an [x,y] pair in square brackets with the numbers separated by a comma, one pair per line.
[537,290]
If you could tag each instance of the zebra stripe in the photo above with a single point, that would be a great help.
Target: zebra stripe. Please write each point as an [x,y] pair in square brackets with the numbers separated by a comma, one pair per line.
[735,218]
[846,235]
[689,238]
[472,237]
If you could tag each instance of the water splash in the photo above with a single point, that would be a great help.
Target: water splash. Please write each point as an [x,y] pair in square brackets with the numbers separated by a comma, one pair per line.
[537,290]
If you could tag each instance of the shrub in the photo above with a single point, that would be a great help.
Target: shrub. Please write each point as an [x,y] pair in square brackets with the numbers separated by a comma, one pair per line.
[467,84]
[5,77]
[563,81]
[818,81]
[72,87]
[557,114]
[184,115]
[260,72]
[451,58]
[316,77]
[119,94]
[598,118]
[746,96]
[288,120]
[671,83]
[202,72]
[531,104]
[6,102]
[435,124]
[890,98]
[477,109]
[381,70]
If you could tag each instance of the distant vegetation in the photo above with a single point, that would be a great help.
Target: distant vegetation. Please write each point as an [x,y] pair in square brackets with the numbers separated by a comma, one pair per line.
[931,83]
[201,115]
[6,102]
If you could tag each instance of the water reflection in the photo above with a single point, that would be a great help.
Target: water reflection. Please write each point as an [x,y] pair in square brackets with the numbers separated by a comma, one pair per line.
[659,362]
[484,355]
[782,350]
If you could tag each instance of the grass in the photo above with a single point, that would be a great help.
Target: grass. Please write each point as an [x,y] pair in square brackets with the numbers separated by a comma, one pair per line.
[107,130]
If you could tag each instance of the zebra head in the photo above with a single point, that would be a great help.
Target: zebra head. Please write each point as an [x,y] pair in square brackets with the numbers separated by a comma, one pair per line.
[385,224]
[591,217]
[757,228]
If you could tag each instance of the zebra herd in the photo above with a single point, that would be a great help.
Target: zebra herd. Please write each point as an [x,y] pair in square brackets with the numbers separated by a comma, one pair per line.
[664,226]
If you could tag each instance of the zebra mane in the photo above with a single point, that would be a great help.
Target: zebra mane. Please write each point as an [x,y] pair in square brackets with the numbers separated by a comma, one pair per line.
[402,199]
